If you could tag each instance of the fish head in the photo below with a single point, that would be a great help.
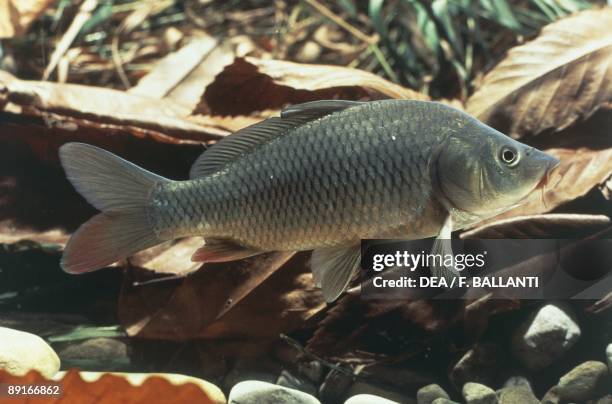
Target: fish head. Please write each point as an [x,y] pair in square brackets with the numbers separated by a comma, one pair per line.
[481,172]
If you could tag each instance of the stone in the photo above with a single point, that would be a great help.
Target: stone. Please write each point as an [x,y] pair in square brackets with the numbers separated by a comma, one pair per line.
[609,357]
[360,388]
[261,369]
[442,400]
[516,394]
[476,393]
[287,379]
[607,399]
[518,381]
[368,399]
[257,392]
[551,396]
[97,354]
[21,352]
[479,364]
[545,336]
[427,394]
[585,382]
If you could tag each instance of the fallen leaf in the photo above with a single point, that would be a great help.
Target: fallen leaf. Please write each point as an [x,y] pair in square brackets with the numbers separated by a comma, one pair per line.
[381,326]
[107,388]
[562,225]
[183,75]
[592,133]
[67,102]
[561,76]
[251,84]
[17,15]
[224,300]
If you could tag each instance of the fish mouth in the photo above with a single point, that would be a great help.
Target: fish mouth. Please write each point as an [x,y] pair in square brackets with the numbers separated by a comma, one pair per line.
[551,175]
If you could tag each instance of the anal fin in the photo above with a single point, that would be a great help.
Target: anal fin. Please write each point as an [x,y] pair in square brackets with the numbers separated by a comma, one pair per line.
[333,268]
[218,250]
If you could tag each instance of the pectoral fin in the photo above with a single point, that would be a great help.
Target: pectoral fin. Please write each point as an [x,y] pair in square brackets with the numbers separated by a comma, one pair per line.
[442,247]
[333,268]
[215,250]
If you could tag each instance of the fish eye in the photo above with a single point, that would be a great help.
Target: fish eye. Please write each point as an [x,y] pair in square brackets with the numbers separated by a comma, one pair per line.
[509,156]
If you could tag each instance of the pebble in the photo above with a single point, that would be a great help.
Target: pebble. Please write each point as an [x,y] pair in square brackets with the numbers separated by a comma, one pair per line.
[442,400]
[476,393]
[545,336]
[516,394]
[102,354]
[584,382]
[607,399]
[262,369]
[427,394]
[360,388]
[257,392]
[518,381]
[368,399]
[21,352]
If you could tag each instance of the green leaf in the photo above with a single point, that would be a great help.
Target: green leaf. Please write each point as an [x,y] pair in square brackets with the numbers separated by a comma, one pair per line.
[445,15]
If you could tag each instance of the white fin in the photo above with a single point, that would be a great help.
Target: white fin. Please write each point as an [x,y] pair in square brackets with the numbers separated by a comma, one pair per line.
[120,190]
[222,251]
[442,246]
[243,141]
[333,268]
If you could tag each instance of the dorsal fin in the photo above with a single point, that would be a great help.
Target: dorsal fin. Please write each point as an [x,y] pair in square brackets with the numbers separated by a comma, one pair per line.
[246,139]
[318,108]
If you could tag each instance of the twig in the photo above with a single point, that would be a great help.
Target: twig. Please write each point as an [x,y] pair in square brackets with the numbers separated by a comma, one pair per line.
[81,18]
[341,23]
[310,355]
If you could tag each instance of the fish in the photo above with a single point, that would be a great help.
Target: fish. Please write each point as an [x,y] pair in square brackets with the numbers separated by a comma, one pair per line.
[322,176]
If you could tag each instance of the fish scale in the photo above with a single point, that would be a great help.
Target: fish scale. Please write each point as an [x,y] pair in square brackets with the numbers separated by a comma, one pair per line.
[272,198]
[322,176]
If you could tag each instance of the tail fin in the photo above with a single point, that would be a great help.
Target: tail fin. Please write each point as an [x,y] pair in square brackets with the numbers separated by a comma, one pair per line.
[120,190]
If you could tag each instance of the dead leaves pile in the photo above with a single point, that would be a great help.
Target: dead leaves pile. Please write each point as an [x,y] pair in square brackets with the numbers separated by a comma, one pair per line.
[554,92]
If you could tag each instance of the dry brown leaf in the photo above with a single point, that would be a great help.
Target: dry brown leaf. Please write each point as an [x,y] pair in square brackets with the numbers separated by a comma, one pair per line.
[580,171]
[183,75]
[380,326]
[224,300]
[9,233]
[563,75]
[251,84]
[101,105]
[559,225]
[17,15]
[593,133]
[107,388]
